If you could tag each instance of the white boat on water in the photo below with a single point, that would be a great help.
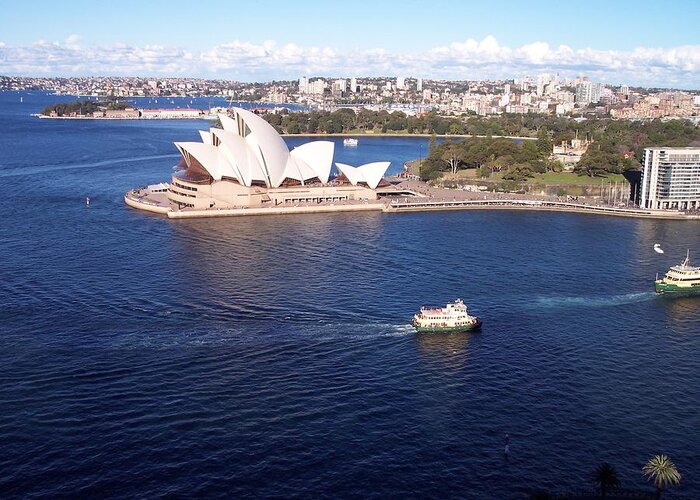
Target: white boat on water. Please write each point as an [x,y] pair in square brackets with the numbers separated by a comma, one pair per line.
[350,142]
[452,318]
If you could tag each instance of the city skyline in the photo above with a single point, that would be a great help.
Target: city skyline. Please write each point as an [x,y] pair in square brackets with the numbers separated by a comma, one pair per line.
[623,43]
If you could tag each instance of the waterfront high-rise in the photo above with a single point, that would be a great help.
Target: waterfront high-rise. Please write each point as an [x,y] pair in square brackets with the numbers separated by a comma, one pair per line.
[671,178]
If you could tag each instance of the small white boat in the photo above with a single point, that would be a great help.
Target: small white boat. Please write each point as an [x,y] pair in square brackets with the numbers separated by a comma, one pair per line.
[453,318]
[350,142]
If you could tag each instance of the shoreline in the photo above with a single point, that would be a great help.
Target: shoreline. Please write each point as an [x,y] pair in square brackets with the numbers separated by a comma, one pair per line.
[529,205]
[394,134]
[396,207]
[340,134]
[104,118]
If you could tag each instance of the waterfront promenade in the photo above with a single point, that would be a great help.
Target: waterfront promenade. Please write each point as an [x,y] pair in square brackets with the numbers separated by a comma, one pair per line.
[411,196]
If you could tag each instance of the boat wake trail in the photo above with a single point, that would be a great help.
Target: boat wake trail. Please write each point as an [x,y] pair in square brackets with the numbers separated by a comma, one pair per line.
[600,301]
[39,169]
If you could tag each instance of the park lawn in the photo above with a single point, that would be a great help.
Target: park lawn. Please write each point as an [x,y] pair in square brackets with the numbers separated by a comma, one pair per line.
[549,178]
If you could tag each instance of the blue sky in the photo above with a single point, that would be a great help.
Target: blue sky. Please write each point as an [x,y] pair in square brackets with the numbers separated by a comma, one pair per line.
[648,43]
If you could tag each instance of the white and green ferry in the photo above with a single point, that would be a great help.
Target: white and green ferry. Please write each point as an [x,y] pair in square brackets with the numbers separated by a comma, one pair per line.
[449,319]
[683,279]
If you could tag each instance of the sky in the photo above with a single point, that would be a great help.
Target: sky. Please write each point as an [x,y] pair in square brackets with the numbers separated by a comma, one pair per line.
[646,43]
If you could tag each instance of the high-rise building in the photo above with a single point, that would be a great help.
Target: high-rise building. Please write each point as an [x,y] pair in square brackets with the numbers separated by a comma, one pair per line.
[419,85]
[353,84]
[542,81]
[588,92]
[671,178]
[625,90]
[400,83]
[317,87]
[303,85]
[339,87]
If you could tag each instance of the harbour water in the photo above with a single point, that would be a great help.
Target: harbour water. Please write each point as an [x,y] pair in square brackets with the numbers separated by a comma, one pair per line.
[273,356]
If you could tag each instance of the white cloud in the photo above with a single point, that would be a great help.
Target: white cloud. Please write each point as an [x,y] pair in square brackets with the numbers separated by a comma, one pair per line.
[468,59]
[72,40]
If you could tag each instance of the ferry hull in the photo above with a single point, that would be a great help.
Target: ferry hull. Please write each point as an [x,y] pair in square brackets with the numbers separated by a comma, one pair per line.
[448,329]
[668,288]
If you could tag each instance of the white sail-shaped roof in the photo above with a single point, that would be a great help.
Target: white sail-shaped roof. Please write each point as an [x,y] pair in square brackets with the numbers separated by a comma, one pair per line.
[298,169]
[250,150]
[237,152]
[207,156]
[373,172]
[369,173]
[228,124]
[318,155]
[206,137]
[268,146]
[351,173]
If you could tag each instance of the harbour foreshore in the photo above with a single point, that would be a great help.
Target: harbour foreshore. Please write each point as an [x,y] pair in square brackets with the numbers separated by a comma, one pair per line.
[279,210]
[428,200]
[520,204]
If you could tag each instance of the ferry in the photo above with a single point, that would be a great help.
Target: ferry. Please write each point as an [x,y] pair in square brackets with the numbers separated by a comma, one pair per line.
[452,318]
[350,142]
[683,279]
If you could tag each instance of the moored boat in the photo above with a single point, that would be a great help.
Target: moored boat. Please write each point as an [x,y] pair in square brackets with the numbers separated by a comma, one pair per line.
[452,318]
[682,279]
[350,142]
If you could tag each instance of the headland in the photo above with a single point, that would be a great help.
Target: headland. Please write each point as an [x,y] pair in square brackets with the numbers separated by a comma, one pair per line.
[400,196]
[245,168]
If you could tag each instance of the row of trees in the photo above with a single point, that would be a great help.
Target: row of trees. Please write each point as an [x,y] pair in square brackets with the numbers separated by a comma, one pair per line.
[365,121]
[82,107]
[618,145]
[517,160]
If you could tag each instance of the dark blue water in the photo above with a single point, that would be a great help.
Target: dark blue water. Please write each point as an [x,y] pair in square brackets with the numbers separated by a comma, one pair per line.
[272,356]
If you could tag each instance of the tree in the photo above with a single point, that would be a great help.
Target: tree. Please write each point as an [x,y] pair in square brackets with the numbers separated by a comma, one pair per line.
[453,155]
[431,143]
[663,472]
[544,143]
[605,476]
[518,172]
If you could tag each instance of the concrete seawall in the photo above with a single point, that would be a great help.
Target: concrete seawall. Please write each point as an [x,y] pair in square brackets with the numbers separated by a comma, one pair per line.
[515,204]
[243,212]
[163,207]
[142,205]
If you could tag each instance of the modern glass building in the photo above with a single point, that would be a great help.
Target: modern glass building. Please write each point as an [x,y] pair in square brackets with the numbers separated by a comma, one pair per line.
[671,179]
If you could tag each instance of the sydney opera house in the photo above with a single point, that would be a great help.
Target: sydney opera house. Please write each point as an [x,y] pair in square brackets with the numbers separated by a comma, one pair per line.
[246,164]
